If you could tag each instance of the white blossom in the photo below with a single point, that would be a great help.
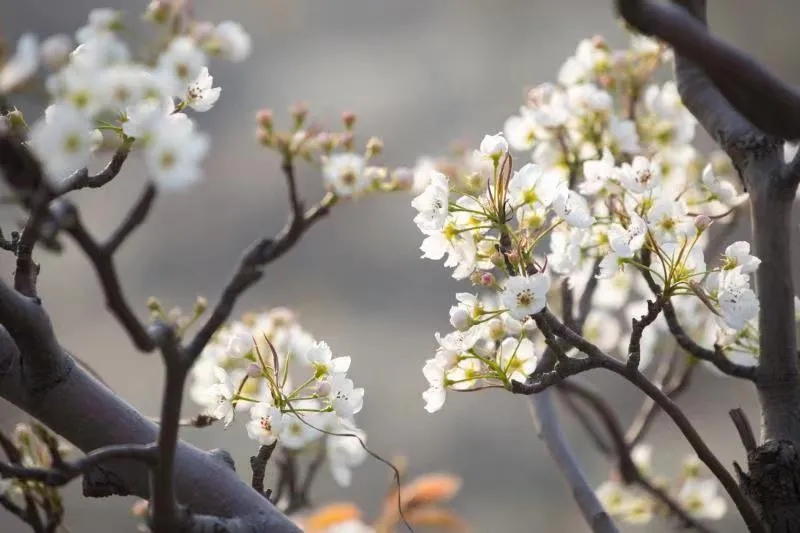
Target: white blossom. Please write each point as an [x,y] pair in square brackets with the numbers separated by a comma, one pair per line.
[344,174]
[432,203]
[62,140]
[738,254]
[200,95]
[597,173]
[517,358]
[22,65]
[344,451]
[700,498]
[525,295]
[345,398]
[573,208]
[493,146]
[175,151]
[266,424]
[321,358]
[234,42]
[737,301]
[180,64]
[639,176]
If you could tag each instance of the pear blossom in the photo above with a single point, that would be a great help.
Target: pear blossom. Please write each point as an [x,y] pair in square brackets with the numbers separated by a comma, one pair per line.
[466,373]
[525,295]
[721,189]
[623,135]
[62,140]
[434,396]
[521,130]
[55,51]
[700,498]
[266,424]
[602,329]
[433,203]
[460,318]
[573,208]
[738,254]
[200,95]
[300,427]
[174,153]
[180,64]
[565,250]
[597,173]
[344,451]
[627,241]
[102,21]
[530,186]
[493,146]
[22,65]
[640,175]
[321,358]
[517,358]
[223,393]
[737,301]
[345,398]
[234,42]
[344,174]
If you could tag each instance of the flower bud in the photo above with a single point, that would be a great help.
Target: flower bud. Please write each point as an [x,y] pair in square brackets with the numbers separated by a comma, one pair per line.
[702,222]
[153,304]
[96,140]
[264,118]
[460,319]
[374,147]
[158,11]
[299,112]
[488,279]
[265,138]
[254,371]
[348,119]
[200,306]
[15,119]
[403,178]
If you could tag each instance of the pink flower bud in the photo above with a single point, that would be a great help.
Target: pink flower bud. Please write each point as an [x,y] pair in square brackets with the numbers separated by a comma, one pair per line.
[264,118]
[254,370]
[349,119]
[702,222]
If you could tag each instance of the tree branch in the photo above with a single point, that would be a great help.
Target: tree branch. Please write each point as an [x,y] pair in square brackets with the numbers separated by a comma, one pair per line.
[546,421]
[81,178]
[757,94]
[260,254]
[627,468]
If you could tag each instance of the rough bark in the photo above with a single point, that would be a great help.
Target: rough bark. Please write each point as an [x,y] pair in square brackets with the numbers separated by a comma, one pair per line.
[88,414]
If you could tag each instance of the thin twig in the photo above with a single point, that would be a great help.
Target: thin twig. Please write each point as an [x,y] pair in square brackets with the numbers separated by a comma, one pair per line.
[81,178]
[134,219]
[261,253]
[69,470]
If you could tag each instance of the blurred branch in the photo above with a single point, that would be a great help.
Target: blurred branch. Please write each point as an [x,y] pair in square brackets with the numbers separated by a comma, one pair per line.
[759,95]
[673,386]
[546,421]
[260,254]
[628,470]
[596,358]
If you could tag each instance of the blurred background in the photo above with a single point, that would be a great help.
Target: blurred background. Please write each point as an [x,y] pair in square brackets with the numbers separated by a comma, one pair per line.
[419,74]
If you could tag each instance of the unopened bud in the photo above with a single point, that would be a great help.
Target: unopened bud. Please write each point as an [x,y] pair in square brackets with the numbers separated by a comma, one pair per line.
[254,371]
[299,112]
[702,222]
[264,118]
[460,319]
[403,178]
[348,119]
[153,304]
[15,119]
[488,279]
[374,147]
[204,33]
[158,11]
[96,140]
[200,306]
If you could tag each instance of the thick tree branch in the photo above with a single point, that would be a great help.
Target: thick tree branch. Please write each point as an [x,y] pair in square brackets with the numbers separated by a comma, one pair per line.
[759,95]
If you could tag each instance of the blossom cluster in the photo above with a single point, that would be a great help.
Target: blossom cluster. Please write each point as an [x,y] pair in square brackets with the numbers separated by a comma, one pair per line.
[298,394]
[696,494]
[613,190]
[101,86]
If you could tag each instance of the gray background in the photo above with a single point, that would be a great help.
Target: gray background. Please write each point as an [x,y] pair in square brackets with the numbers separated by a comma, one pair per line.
[420,74]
